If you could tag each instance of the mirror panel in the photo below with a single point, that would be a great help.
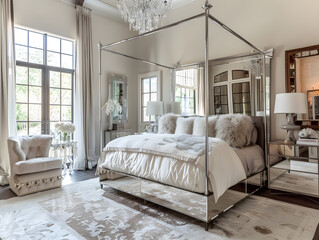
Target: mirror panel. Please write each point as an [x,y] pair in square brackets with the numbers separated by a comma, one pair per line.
[118,91]
[302,75]
[237,86]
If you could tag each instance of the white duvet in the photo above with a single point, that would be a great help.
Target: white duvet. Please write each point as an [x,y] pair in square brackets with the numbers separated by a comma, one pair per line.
[184,151]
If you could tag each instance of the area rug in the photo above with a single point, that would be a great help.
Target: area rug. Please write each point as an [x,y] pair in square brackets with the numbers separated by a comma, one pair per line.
[84,211]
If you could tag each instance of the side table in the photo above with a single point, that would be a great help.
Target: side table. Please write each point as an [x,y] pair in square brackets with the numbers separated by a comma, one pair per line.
[67,151]
[3,174]
[295,169]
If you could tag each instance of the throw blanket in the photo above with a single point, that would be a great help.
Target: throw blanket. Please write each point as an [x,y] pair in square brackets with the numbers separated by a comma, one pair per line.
[225,167]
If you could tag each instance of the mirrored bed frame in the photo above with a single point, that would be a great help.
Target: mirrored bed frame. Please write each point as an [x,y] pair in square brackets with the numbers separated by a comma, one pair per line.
[206,209]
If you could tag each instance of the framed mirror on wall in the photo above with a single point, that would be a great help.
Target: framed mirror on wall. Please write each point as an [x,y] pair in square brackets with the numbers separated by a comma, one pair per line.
[302,75]
[118,92]
[237,85]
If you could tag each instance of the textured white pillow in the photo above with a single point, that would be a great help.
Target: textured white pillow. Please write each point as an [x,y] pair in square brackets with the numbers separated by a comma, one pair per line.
[235,129]
[199,126]
[184,125]
[167,123]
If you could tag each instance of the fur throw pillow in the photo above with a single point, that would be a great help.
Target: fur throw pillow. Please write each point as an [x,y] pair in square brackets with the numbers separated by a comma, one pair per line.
[235,129]
[167,123]
[199,126]
[184,125]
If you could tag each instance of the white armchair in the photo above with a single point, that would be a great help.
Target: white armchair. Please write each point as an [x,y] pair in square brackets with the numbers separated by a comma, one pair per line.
[31,170]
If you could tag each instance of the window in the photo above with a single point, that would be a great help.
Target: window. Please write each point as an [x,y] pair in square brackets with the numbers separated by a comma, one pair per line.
[185,90]
[149,91]
[44,81]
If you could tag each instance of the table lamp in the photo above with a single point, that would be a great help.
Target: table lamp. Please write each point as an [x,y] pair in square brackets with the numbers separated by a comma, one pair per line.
[155,108]
[290,104]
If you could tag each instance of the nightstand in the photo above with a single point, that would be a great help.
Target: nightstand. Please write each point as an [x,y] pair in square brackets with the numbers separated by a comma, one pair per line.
[113,134]
[293,168]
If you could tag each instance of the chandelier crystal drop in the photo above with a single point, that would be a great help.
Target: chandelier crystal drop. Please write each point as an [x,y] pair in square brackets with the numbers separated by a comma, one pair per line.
[144,15]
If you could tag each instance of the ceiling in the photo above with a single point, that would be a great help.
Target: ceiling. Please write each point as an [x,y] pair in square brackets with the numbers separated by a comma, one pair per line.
[107,8]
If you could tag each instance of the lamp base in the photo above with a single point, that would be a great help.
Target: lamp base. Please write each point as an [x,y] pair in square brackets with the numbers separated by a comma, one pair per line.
[290,127]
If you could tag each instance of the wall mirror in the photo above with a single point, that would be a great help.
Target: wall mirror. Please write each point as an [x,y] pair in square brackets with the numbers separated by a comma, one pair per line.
[302,75]
[237,85]
[118,91]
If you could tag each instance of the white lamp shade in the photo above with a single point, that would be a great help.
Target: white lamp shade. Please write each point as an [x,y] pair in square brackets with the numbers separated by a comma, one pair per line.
[176,107]
[291,103]
[155,108]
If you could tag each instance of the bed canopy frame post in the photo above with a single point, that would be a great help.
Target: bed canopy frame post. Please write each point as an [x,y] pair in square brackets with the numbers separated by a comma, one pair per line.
[206,7]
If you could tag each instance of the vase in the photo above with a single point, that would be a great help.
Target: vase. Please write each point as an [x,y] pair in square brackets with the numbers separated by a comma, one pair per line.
[66,137]
[111,122]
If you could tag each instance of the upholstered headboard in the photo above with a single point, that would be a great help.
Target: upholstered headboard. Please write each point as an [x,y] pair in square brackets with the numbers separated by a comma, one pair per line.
[259,124]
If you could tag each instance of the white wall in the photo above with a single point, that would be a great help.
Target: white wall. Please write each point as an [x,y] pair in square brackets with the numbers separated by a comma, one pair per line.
[281,25]
[59,18]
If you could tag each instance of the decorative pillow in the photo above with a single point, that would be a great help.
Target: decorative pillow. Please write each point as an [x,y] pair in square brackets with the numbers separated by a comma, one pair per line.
[184,125]
[235,129]
[167,123]
[199,126]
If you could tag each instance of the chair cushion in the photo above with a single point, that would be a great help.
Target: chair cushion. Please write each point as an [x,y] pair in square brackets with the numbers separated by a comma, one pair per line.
[37,165]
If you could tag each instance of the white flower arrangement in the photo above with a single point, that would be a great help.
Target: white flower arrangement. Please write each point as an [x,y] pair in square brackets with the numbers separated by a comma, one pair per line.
[65,127]
[111,105]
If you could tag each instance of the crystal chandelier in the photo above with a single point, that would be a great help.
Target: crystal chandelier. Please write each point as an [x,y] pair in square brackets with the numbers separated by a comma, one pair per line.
[144,15]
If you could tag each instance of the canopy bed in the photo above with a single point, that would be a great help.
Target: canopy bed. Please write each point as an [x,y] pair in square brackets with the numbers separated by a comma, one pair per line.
[183,162]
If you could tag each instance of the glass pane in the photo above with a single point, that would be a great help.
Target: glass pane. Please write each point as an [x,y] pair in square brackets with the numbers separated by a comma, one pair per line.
[53,59]
[67,61]
[35,94]
[53,44]
[54,96]
[154,85]
[34,112]
[21,93]
[222,77]
[35,76]
[178,92]
[22,112]
[146,98]
[66,97]
[67,47]
[146,85]
[154,97]
[21,36]
[54,113]
[55,79]
[35,128]
[22,75]
[35,56]
[66,113]
[238,74]
[22,128]
[21,53]
[144,116]
[36,40]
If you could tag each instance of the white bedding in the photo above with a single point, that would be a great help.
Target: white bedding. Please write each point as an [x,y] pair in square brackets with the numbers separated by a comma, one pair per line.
[177,160]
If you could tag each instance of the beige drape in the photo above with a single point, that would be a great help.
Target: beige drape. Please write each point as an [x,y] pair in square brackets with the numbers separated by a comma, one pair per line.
[7,82]
[83,107]
[200,98]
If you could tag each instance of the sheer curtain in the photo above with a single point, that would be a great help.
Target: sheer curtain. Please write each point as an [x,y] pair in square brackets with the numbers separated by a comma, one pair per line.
[83,107]
[7,83]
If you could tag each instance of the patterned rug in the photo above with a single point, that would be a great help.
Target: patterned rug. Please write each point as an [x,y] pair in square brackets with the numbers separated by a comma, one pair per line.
[84,211]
